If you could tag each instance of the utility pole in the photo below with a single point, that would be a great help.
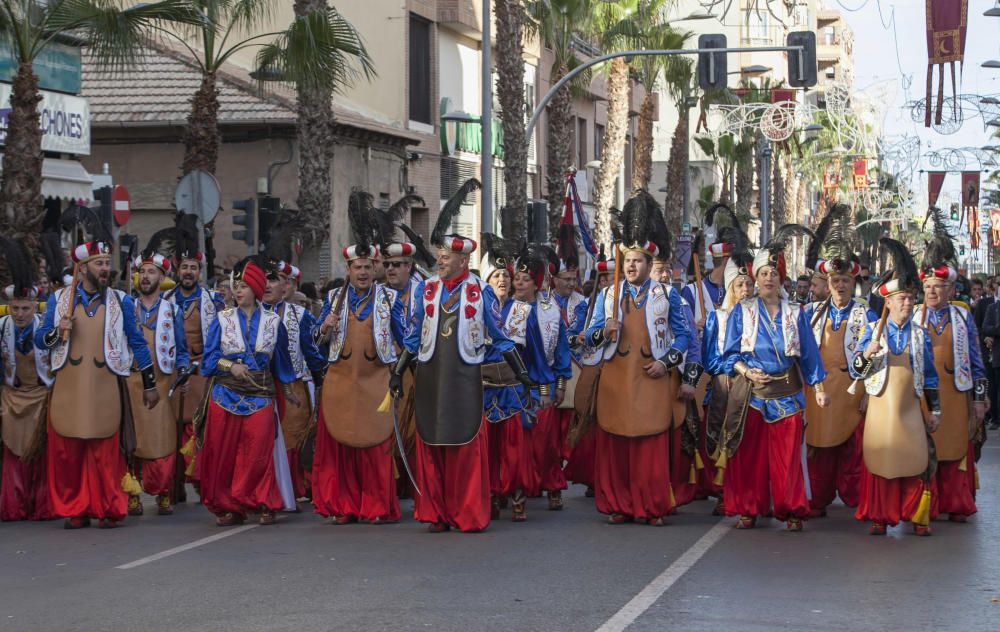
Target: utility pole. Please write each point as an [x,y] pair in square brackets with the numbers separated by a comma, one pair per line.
[765,190]
[486,127]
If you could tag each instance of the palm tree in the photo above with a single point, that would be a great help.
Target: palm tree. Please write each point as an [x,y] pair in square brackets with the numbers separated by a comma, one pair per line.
[557,22]
[321,53]
[509,48]
[113,37]
[615,27]
[678,79]
[676,74]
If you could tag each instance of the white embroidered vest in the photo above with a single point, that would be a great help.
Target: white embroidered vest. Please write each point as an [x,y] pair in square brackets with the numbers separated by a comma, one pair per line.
[472,338]
[857,318]
[206,307]
[789,326]
[657,308]
[880,367]
[549,319]
[721,317]
[959,319]
[382,299]
[700,310]
[166,343]
[231,339]
[117,352]
[8,353]
[292,319]
[572,302]
[516,323]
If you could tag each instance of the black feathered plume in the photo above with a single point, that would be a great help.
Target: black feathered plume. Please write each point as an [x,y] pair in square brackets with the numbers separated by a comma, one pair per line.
[940,250]
[83,216]
[617,225]
[423,254]
[786,232]
[21,269]
[397,212]
[904,268]
[500,252]
[697,251]
[358,215]
[451,209]
[659,233]
[734,234]
[833,214]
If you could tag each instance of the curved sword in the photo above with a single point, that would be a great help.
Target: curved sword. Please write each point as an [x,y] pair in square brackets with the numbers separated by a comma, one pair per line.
[399,444]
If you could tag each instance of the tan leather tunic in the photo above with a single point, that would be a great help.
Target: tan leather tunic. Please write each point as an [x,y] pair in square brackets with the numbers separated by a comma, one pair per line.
[831,426]
[86,403]
[951,440]
[22,409]
[629,402]
[156,428]
[895,439]
[354,387]
[196,384]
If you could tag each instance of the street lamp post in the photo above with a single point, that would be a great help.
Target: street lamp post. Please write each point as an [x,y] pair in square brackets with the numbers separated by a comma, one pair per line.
[486,128]
[765,190]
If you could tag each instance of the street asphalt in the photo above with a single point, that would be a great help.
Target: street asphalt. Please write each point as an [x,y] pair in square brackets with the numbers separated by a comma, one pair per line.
[564,570]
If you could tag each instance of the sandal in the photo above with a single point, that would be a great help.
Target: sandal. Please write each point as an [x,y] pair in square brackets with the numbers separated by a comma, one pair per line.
[555,501]
[134,506]
[877,528]
[76,523]
[616,518]
[746,522]
[163,506]
[922,530]
[656,522]
[229,519]
[795,525]
[438,527]
[268,518]
[341,520]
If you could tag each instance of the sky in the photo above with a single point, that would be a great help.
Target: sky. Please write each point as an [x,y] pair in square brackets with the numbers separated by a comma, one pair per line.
[890,63]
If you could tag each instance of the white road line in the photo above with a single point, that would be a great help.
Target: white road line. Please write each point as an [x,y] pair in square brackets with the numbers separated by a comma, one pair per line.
[187,547]
[662,583]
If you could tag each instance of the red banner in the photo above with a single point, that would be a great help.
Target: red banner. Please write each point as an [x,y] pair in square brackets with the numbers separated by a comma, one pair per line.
[970,204]
[946,25]
[935,180]
[861,174]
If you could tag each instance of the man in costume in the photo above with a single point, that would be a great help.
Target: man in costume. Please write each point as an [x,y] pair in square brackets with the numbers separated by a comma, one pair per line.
[896,361]
[964,398]
[834,433]
[739,287]
[455,325]
[307,362]
[769,351]
[199,307]
[640,328]
[709,296]
[353,467]
[91,334]
[162,326]
[684,464]
[242,460]
[24,492]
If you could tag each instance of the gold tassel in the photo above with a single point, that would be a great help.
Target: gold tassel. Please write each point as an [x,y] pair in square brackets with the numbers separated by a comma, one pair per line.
[963,465]
[692,475]
[720,469]
[386,402]
[188,448]
[922,516]
[130,485]
[189,470]
[698,463]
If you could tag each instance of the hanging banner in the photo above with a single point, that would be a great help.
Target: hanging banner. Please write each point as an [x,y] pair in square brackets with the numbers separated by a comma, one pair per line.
[935,180]
[970,204]
[995,226]
[861,174]
[946,25]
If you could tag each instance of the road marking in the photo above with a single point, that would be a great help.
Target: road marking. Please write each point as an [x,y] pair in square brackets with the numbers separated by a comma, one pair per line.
[662,583]
[186,547]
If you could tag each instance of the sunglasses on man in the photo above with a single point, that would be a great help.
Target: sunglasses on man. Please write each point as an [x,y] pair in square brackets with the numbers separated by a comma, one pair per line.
[395,264]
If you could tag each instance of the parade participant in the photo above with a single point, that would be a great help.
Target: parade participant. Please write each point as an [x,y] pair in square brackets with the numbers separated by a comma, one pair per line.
[94,328]
[307,362]
[162,326]
[241,460]
[549,365]
[24,492]
[640,329]
[833,434]
[769,351]
[455,325]
[686,410]
[581,440]
[713,442]
[199,307]
[708,297]
[964,398]
[896,361]
[353,468]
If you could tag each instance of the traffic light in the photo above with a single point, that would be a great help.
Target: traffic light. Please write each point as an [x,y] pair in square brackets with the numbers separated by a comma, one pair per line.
[954,212]
[269,208]
[961,249]
[248,219]
[712,66]
[802,64]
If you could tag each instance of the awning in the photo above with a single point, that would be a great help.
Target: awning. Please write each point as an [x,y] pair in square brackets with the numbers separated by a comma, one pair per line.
[65,179]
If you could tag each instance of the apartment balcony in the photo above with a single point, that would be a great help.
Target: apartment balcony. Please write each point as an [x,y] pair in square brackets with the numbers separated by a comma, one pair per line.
[462,16]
